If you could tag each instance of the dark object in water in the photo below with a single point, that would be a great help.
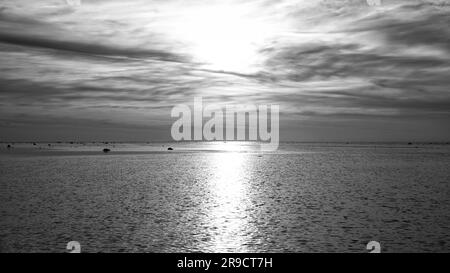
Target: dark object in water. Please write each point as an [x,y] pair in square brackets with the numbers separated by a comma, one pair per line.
[409,143]
[170,149]
[49,145]
[9,146]
[106,151]
[34,143]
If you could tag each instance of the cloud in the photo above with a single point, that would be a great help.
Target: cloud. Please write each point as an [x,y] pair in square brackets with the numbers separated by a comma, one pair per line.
[129,62]
[383,63]
[85,48]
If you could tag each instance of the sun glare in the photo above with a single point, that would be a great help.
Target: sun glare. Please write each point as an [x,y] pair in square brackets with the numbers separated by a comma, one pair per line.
[223,37]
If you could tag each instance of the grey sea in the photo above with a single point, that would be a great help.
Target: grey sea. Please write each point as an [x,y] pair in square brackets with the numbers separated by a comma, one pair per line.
[225,197]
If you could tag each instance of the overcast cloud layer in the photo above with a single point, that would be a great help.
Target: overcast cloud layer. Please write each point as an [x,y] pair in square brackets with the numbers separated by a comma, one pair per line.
[112,70]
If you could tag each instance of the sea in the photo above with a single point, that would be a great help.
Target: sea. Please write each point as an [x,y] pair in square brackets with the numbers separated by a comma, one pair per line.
[224,197]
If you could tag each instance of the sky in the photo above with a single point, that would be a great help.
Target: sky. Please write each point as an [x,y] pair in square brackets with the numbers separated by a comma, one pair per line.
[110,70]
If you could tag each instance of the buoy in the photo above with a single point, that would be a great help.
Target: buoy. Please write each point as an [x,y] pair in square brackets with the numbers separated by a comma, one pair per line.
[170,149]
[106,151]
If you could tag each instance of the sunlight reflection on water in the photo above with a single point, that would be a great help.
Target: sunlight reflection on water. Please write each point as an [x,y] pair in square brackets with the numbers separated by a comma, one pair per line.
[228,214]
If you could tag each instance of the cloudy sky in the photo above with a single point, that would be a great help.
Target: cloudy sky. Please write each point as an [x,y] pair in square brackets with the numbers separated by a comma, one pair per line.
[340,70]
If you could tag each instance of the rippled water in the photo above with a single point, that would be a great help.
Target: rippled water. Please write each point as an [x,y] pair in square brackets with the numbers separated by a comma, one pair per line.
[213,198]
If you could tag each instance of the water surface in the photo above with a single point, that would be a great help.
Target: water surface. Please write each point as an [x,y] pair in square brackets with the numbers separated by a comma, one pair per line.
[216,197]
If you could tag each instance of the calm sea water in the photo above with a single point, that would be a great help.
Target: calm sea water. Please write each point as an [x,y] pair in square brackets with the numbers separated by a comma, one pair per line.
[214,197]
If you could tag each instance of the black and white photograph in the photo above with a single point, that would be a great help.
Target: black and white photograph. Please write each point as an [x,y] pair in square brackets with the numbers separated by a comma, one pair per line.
[225,126]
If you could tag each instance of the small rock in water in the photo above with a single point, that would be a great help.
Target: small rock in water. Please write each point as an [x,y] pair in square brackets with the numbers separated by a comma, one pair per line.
[170,149]
[106,151]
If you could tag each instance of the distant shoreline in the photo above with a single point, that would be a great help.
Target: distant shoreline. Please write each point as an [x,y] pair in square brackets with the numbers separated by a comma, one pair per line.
[236,141]
[97,149]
